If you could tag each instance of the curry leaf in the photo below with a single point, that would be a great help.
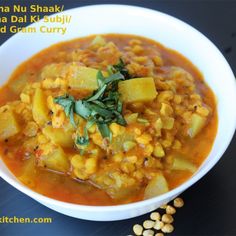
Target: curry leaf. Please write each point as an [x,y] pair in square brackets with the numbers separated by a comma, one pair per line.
[101,104]
[100,79]
[82,109]
[115,77]
[83,140]
[96,96]
[104,130]
[67,102]
[120,66]
[71,114]
[119,106]
[101,108]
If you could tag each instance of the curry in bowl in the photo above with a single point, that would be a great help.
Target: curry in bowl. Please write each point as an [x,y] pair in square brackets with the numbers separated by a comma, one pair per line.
[106,120]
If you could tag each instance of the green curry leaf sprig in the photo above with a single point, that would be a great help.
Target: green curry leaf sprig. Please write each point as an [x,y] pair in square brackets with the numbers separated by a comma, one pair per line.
[102,108]
[120,66]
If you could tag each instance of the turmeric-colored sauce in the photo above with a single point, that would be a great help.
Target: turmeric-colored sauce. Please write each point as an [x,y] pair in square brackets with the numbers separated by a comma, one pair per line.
[169,132]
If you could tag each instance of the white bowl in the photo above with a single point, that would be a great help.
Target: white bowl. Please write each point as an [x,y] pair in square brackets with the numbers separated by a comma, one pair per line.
[163,28]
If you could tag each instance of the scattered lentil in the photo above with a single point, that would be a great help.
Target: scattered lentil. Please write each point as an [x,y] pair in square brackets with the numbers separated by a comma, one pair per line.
[159,234]
[148,232]
[167,228]
[170,210]
[138,229]
[158,225]
[159,222]
[167,218]
[163,206]
[155,216]
[148,224]
[178,202]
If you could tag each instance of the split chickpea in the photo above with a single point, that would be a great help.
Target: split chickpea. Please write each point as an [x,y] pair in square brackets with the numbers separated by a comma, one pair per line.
[163,206]
[159,222]
[167,228]
[148,232]
[170,210]
[178,202]
[155,216]
[159,234]
[158,225]
[138,229]
[148,224]
[166,218]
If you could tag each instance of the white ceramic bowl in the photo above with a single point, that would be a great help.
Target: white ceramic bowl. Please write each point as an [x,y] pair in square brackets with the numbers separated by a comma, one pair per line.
[163,28]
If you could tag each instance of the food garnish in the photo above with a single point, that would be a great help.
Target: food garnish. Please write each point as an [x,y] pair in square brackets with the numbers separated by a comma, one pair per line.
[102,108]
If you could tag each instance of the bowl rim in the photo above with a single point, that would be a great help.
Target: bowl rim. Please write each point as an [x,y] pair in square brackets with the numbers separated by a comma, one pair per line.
[170,194]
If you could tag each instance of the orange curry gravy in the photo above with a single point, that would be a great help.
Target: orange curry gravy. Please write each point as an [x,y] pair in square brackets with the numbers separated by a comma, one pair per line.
[64,188]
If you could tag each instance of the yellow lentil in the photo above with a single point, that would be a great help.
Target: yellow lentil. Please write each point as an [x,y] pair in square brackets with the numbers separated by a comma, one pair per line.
[138,229]
[166,218]
[158,225]
[148,224]
[155,216]
[170,210]
[159,234]
[178,202]
[148,232]
[167,228]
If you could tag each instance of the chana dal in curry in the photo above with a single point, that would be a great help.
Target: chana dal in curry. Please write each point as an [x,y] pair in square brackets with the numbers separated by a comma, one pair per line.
[106,120]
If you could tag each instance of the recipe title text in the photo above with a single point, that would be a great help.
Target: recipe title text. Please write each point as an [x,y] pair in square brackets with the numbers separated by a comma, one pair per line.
[14,18]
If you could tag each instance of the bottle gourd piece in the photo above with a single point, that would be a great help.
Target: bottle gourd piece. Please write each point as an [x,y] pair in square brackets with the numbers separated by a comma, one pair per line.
[137,90]
[59,136]
[8,125]
[157,186]
[39,108]
[53,157]
[196,124]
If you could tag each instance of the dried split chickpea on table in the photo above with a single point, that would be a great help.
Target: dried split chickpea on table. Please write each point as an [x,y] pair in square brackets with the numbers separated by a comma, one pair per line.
[106,120]
[159,224]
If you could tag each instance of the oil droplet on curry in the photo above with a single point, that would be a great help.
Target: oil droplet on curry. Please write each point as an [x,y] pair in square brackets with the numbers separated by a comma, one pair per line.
[105,120]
